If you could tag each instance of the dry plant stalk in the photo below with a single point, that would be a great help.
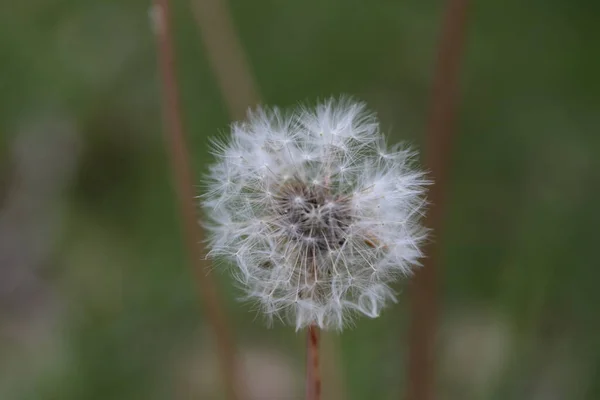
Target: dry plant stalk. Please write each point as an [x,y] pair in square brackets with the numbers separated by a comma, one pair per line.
[440,134]
[226,56]
[184,184]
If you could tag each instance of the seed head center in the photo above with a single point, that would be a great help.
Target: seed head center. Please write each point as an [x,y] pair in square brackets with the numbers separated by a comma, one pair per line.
[313,214]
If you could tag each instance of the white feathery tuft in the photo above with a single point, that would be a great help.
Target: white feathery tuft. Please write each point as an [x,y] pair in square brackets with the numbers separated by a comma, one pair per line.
[315,212]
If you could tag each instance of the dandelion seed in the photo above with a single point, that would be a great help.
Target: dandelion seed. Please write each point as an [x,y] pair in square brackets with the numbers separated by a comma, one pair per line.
[315,212]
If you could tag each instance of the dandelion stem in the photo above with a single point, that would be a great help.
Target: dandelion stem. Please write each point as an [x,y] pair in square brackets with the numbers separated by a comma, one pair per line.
[313,376]
[440,133]
[182,177]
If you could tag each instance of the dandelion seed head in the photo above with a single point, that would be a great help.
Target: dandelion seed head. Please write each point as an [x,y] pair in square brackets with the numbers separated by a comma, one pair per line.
[315,212]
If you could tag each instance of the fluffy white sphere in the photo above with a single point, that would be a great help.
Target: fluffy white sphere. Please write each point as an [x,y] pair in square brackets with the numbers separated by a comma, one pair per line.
[315,212]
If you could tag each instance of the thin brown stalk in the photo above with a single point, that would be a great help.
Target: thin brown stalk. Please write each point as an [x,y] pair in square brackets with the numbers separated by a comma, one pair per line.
[440,135]
[226,56]
[183,180]
[313,374]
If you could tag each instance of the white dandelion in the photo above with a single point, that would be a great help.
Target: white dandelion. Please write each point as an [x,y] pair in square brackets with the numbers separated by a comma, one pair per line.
[315,212]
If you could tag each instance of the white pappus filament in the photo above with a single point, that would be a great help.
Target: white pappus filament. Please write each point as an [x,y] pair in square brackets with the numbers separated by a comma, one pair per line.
[315,212]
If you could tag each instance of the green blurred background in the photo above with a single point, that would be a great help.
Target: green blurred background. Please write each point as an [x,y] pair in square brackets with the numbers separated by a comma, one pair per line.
[96,298]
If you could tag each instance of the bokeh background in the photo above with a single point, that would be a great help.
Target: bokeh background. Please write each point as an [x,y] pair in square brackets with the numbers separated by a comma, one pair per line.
[97,300]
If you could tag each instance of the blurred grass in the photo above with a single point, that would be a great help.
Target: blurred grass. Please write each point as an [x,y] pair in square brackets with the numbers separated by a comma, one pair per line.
[520,240]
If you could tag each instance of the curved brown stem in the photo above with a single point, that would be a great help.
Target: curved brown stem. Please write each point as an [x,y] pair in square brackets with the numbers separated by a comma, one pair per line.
[440,133]
[226,56]
[184,183]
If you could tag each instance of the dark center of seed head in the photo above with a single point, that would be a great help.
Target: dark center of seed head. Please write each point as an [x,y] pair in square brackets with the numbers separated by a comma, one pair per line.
[314,215]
